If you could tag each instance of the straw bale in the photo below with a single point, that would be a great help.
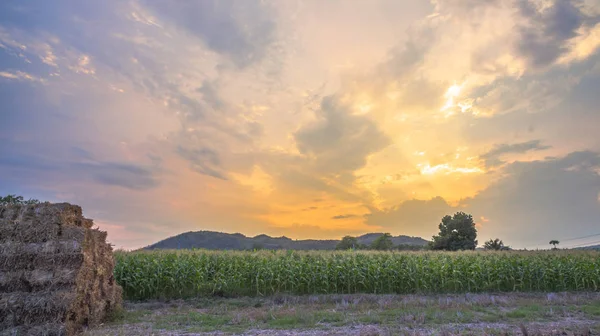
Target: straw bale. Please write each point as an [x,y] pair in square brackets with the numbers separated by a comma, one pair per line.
[10,247]
[58,260]
[9,213]
[22,308]
[49,247]
[31,231]
[11,281]
[6,231]
[59,213]
[40,261]
[71,233]
[56,273]
[16,261]
[37,280]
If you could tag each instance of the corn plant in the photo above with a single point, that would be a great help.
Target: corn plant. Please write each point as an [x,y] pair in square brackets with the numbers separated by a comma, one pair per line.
[180,274]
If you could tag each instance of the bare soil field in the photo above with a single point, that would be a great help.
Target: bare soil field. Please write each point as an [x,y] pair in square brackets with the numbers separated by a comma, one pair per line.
[368,315]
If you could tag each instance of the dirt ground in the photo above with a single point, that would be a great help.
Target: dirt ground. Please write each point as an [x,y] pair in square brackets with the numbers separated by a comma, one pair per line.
[364,315]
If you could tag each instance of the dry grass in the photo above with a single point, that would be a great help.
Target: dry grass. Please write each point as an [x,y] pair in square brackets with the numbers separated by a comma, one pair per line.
[467,314]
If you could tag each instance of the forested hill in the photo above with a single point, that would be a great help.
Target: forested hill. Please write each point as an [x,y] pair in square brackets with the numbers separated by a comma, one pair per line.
[237,241]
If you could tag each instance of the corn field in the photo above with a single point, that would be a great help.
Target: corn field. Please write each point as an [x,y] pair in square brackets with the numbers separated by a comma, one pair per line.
[180,274]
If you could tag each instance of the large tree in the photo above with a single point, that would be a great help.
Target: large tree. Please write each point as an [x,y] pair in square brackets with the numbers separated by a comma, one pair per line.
[383,242]
[457,232]
[347,243]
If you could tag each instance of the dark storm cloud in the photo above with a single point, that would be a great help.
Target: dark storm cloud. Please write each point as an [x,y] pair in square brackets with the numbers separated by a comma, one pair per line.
[243,30]
[493,157]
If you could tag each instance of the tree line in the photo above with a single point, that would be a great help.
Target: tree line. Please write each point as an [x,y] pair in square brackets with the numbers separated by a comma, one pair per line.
[382,243]
[456,233]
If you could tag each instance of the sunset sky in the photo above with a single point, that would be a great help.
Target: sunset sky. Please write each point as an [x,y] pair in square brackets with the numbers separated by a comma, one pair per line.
[306,118]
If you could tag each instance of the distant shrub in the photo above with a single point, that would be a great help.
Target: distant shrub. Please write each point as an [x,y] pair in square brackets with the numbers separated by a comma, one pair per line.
[14,199]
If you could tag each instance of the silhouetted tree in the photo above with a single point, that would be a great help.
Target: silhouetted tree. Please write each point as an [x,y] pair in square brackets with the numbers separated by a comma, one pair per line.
[347,243]
[383,242]
[457,232]
[409,247]
[554,243]
[495,244]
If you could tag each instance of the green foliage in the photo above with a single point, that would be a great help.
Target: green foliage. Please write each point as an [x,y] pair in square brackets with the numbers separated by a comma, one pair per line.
[383,242]
[180,274]
[457,232]
[14,199]
[495,245]
[408,247]
[554,243]
[347,243]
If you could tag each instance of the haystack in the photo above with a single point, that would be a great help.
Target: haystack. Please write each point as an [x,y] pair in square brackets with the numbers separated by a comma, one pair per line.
[56,272]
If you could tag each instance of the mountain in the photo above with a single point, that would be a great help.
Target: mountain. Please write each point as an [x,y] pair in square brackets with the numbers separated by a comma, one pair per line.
[236,241]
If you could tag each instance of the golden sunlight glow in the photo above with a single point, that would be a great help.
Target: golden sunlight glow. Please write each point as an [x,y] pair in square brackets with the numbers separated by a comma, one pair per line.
[364,108]
[307,219]
[465,106]
[427,169]
[451,94]
[258,180]
[362,104]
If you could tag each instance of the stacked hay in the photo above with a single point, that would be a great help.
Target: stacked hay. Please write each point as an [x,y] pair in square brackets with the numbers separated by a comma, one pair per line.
[56,272]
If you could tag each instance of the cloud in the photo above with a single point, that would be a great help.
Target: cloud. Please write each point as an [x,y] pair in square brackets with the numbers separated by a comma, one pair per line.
[492,158]
[543,40]
[542,200]
[533,202]
[242,30]
[411,217]
[339,141]
[106,96]
[18,75]
[210,93]
[204,161]
[344,216]
[27,164]
[310,231]
[124,175]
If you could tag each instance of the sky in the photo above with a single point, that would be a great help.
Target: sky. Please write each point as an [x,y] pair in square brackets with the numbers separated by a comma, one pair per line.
[306,118]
